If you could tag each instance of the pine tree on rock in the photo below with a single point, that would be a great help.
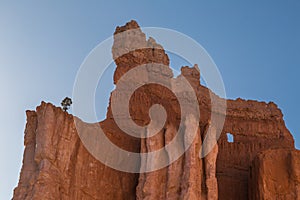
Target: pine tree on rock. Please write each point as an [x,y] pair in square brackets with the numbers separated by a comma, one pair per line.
[66,103]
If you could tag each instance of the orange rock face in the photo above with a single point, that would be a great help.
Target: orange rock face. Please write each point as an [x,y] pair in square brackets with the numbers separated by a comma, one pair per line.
[57,165]
[275,174]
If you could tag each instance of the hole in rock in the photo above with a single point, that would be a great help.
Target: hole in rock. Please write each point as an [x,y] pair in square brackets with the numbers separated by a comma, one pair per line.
[230,137]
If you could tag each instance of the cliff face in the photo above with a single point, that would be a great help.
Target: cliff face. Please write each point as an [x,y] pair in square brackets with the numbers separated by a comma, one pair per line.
[56,164]
[274,174]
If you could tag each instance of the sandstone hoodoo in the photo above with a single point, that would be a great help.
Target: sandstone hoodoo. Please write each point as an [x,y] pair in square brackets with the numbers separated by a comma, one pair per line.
[259,162]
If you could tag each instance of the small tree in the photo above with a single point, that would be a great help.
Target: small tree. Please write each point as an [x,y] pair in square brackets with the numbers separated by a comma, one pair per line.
[66,103]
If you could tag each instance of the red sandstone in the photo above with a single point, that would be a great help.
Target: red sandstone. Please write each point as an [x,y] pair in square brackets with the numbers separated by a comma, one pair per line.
[261,162]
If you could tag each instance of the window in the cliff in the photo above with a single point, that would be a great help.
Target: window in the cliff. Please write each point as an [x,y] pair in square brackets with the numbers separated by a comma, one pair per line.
[230,137]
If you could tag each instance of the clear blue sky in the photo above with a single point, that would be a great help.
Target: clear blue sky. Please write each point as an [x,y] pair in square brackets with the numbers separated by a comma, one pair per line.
[255,44]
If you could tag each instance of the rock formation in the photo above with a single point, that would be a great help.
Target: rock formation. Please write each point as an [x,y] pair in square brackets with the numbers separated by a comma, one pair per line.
[274,174]
[261,162]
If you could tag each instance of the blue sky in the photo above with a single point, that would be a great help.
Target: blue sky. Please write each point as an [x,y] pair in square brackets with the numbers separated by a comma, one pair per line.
[42,45]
